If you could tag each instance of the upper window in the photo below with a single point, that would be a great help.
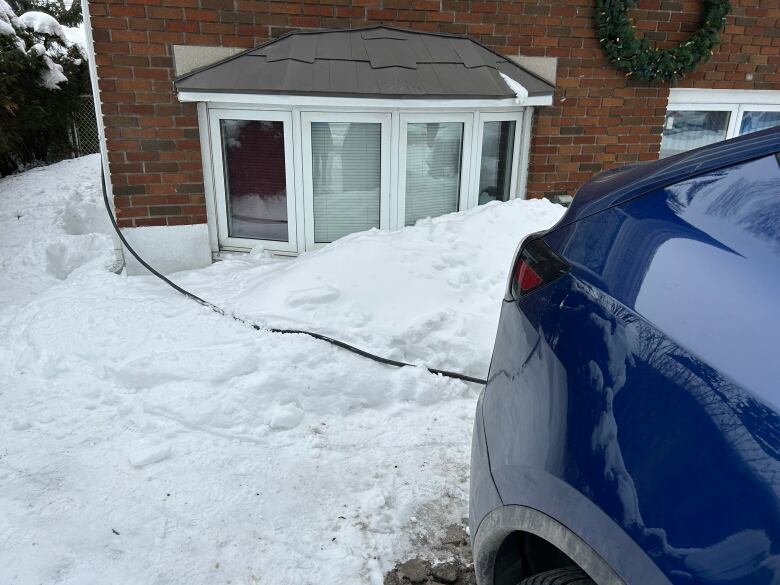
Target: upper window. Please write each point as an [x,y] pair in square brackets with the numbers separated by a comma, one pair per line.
[700,117]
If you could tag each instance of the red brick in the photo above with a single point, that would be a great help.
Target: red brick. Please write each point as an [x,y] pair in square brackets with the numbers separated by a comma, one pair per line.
[123,10]
[600,119]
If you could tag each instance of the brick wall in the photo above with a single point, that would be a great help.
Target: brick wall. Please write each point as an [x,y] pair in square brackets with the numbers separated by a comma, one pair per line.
[599,118]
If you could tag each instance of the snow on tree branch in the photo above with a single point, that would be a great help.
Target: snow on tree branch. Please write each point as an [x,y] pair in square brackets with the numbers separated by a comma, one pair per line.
[9,24]
[43,23]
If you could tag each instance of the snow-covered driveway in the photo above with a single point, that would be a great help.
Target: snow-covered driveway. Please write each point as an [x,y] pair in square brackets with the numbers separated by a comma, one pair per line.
[147,440]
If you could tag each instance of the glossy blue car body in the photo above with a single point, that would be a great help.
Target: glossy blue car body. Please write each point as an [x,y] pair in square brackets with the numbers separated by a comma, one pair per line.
[630,417]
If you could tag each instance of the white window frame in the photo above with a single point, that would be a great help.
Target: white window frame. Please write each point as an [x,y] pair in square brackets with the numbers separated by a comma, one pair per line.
[384,119]
[481,118]
[220,196]
[752,108]
[735,101]
[292,110]
[466,160]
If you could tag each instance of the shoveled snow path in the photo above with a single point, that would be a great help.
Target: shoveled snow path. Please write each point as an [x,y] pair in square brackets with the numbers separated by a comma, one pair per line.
[148,440]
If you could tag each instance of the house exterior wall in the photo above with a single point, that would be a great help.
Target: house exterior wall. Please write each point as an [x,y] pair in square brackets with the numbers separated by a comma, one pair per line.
[599,119]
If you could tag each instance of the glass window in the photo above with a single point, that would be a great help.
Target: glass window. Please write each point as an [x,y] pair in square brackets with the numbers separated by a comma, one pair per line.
[755,120]
[495,175]
[255,179]
[433,166]
[346,178]
[686,130]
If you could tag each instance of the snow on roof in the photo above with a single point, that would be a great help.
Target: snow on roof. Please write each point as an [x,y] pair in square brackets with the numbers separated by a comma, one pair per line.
[521,93]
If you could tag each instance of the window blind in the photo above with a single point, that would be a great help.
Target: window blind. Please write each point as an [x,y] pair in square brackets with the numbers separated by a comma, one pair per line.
[346,177]
[688,129]
[433,155]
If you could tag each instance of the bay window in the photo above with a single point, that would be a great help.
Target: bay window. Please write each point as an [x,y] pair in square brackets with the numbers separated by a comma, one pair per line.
[293,180]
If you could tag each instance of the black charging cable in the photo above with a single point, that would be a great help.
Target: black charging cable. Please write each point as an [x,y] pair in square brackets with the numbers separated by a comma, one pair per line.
[221,311]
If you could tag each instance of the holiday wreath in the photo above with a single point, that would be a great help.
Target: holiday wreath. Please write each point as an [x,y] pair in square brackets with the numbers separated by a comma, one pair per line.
[641,60]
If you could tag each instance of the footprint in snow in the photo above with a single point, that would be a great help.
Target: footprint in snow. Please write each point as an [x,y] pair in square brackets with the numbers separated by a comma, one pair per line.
[142,455]
[318,295]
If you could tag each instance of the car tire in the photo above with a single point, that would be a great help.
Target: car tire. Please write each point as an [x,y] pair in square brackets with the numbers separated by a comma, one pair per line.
[572,576]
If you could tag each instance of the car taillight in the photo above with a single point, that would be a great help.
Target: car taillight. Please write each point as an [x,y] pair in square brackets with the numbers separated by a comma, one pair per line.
[535,266]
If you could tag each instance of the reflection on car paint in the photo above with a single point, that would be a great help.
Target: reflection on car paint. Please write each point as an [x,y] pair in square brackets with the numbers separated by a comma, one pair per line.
[645,379]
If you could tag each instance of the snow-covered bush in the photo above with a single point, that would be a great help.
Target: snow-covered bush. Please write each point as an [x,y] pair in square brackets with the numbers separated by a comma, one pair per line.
[42,74]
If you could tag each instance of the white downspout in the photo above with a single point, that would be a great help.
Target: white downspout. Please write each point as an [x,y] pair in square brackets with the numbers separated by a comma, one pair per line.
[119,258]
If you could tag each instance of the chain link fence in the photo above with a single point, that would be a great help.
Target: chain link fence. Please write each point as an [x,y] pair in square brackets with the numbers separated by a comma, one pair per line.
[84,134]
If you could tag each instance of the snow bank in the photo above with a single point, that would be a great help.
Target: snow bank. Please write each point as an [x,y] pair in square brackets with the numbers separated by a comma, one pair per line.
[52,223]
[428,294]
[149,440]
[168,248]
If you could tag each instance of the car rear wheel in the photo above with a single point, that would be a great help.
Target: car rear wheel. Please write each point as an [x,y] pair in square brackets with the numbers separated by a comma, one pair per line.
[559,577]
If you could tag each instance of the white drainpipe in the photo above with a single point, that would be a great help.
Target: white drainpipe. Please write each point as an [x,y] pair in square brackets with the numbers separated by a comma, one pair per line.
[90,48]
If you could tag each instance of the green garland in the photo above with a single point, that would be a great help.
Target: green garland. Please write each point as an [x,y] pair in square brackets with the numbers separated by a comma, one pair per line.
[639,58]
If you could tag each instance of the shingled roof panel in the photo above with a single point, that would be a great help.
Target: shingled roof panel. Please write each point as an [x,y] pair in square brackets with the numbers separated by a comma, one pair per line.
[334,47]
[372,62]
[357,47]
[383,32]
[390,53]
[468,53]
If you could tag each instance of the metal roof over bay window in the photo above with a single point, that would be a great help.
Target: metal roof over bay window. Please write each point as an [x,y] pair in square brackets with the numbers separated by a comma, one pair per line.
[373,62]
[317,135]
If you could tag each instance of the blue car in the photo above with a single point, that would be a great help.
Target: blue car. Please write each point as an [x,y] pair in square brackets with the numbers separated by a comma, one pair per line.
[629,429]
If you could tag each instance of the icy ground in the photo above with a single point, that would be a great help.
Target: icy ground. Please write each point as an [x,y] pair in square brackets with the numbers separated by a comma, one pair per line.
[146,440]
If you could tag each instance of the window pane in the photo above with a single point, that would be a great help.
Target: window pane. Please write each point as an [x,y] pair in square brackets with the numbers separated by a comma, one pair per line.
[433,153]
[495,176]
[255,180]
[753,121]
[346,176]
[686,130]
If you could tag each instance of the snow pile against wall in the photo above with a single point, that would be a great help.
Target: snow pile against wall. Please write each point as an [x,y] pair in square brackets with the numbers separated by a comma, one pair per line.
[168,248]
[427,294]
[148,440]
